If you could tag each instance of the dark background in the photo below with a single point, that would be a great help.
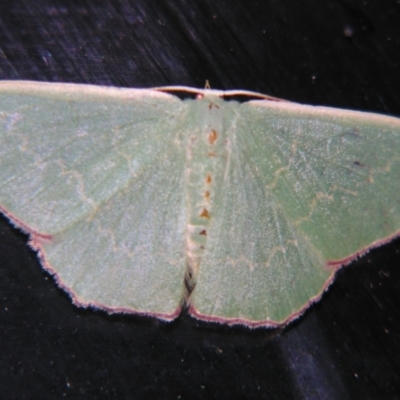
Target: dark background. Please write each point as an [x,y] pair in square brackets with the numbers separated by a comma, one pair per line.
[341,53]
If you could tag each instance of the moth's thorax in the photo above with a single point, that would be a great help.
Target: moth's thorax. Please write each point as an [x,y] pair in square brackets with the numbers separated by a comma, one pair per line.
[207,159]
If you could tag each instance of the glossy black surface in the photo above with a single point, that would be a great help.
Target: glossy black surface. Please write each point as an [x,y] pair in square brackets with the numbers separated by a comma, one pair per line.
[341,53]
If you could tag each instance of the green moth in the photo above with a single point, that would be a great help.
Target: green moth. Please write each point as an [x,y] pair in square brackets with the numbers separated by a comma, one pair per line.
[139,202]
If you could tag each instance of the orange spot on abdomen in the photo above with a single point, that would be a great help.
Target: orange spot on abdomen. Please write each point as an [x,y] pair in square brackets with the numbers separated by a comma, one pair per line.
[212,137]
[205,214]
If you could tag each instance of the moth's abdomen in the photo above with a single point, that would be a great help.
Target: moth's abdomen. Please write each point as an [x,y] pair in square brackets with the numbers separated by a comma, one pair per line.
[206,163]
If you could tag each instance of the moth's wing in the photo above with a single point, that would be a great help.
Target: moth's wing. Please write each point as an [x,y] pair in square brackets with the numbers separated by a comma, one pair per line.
[307,189]
[96,176]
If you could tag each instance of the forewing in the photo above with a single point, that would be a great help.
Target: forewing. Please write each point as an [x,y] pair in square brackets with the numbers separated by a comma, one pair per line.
[305,189]
[336,173]
[96,176]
